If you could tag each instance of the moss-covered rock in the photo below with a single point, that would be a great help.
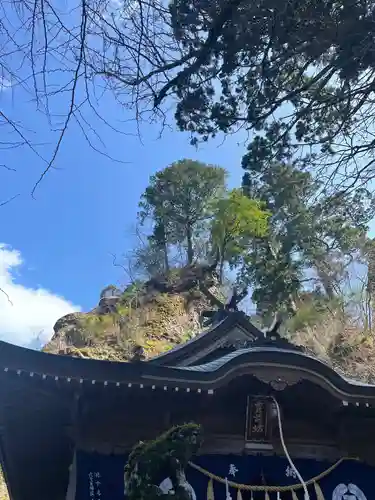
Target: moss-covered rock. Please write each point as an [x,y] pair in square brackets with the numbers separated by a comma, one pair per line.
[3,487]
[143,315]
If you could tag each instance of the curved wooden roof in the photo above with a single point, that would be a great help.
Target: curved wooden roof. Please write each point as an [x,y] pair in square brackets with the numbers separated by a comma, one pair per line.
[201,345]
[273,365]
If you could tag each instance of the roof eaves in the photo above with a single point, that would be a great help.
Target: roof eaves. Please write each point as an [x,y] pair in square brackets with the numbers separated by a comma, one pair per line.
[21,362]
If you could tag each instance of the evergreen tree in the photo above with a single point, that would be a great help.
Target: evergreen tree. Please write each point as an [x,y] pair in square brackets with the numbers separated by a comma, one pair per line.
[180,200]
[312,239]
[238,219]
[299,72]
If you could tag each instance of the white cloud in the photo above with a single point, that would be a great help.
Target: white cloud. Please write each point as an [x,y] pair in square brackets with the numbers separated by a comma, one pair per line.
[28,315]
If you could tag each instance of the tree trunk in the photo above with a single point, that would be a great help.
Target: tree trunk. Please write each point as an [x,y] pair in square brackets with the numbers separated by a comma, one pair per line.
[164,243]
[222,250]
[189,239]
[166,260]
[221,271]
[326,281]
[292,304]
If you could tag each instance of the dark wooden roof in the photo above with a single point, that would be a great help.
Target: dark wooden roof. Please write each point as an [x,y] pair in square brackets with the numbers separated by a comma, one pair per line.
[266,362]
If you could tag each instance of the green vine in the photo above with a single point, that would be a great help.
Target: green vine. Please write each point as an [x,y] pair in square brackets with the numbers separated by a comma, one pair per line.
[166,457]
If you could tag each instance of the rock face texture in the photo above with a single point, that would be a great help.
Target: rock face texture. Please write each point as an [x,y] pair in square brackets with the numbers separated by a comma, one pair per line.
[3,488]
[153,317]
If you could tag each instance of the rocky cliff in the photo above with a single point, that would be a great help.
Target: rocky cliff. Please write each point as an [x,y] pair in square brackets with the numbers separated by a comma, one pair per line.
[3,488]
[147,318]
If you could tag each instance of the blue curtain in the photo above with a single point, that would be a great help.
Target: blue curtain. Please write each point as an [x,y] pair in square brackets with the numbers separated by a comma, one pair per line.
[101,477]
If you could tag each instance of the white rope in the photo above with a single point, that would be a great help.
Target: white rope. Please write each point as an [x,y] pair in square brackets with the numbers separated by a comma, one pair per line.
[307,496]
[228,495]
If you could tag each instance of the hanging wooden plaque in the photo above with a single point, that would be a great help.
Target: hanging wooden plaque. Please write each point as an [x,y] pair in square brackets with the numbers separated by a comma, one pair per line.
[258,420]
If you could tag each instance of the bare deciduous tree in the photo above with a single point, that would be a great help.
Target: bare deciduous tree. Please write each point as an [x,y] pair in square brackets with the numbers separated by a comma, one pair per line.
[64,55]
[228,65]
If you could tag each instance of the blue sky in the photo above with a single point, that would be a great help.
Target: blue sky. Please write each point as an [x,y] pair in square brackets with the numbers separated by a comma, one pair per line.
[56,253]
[83,212]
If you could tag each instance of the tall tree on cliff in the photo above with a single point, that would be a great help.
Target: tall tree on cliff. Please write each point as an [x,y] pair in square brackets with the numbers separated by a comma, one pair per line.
[180,201]
[237,220]
[312,239]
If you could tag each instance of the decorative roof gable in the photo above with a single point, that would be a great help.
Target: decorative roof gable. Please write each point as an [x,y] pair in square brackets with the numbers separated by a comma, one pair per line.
[233,332]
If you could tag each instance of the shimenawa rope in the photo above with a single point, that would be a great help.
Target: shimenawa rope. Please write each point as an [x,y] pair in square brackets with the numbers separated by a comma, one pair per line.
[307,496]
[281,489]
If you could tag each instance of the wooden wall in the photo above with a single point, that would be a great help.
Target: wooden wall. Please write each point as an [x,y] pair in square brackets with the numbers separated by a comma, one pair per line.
[114,423]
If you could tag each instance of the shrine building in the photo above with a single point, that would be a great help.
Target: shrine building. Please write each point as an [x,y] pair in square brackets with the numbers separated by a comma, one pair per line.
[68,424]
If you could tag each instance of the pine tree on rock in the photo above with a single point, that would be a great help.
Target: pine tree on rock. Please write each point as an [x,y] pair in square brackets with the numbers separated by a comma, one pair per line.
[180,198]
